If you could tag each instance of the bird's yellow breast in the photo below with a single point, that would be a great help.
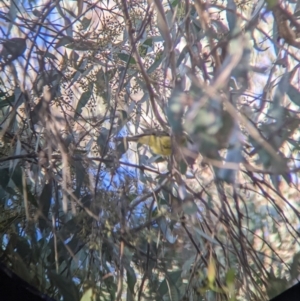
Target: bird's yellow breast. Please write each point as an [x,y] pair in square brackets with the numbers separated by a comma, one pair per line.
[160,145]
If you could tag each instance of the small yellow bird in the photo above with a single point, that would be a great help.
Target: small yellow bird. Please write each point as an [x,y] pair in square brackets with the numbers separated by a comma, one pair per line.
[159,142]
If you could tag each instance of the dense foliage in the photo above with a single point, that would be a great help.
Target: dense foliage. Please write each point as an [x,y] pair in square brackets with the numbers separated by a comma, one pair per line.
[85,215]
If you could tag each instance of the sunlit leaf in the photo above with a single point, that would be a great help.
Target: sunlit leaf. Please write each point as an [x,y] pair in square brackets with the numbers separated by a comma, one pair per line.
[89,295]
[74,195]
[230,277]
[271,3]
[211,272]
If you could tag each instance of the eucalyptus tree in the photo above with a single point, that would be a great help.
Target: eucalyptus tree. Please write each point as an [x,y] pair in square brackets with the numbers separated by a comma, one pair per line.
[88,215]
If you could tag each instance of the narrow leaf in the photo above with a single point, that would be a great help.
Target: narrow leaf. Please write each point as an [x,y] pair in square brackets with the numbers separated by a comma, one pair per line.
[85,97]
[231,14]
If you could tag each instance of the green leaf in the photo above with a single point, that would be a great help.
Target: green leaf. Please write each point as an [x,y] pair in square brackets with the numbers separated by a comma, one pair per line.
[271,3]
[63,41]
[45,78]
[234,155]
[85,23]
[175,109]
[37,13]
[155,65]
[294,270]
[231,14]
[125,57]
[143,50]
[165,229]
[162,24]
[65,285]
[131,278]
[85,97]
[101,80]
[13,48]
[44,204]
[102,139]
[129,295]
[276,285]
[174,3]
[46,54]
[89,295]
[183,167]
[189,207]
[80,7]
[111,287]
[230,277]
[9,100]
[122,118]
[4,177]
[45,198]
[2,93]
[148,42]
[110,74]
[294,95]
[173,277]
[182,55]
[71,13]
[23,248]
[81,46]
[122,147]
[74,225]
[74,60]
[80,174]
[20,268]
[211,272]
[163,288]
[17,178]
